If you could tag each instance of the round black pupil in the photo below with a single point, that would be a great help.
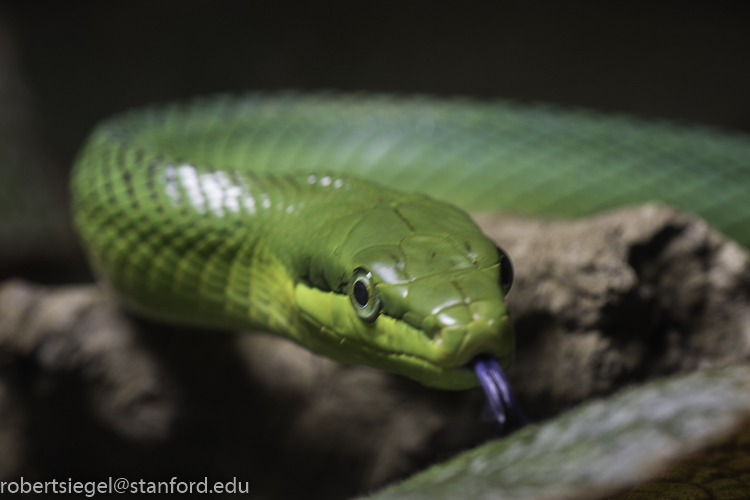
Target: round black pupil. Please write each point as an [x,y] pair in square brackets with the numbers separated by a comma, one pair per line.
[360,293]
[506,272]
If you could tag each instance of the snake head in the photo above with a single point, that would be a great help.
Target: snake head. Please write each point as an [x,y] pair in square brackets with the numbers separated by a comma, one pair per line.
[422,297]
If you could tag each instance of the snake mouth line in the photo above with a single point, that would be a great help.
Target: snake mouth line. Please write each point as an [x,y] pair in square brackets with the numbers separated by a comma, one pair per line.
[465,356]
[407,364]
[447,367]
[391,344]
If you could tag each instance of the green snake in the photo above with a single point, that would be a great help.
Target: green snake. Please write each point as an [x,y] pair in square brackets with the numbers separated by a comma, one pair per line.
[338,221]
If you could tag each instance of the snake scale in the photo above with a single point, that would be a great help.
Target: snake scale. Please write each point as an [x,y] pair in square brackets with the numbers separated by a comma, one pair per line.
[338,221]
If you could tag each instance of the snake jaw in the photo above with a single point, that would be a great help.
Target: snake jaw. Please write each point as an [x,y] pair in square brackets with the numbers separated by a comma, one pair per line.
[335,330]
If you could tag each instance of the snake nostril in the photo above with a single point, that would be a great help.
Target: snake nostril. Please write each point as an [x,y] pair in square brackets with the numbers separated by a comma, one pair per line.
[432,327]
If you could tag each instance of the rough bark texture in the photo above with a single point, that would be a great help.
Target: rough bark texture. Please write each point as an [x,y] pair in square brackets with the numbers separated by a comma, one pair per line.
[620,297]
[86,390]
[106,392]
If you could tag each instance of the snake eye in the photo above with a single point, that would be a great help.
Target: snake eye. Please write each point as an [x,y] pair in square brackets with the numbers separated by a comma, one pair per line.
[506,271]
[363,295]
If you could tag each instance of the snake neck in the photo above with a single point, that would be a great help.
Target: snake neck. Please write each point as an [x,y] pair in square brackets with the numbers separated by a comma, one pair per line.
[214,244]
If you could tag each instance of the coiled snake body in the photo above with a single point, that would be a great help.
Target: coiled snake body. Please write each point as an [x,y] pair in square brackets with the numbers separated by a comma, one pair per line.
[316,217]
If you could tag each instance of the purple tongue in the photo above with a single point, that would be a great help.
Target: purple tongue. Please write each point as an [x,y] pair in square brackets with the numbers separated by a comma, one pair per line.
[499,394]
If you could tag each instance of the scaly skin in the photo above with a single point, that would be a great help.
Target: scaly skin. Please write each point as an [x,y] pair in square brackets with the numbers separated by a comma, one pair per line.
[255,212]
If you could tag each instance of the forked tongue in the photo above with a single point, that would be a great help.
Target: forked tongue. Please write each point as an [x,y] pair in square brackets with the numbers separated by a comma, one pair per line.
[500,399]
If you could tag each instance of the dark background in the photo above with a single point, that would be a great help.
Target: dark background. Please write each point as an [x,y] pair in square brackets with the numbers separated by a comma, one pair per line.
[84,60]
